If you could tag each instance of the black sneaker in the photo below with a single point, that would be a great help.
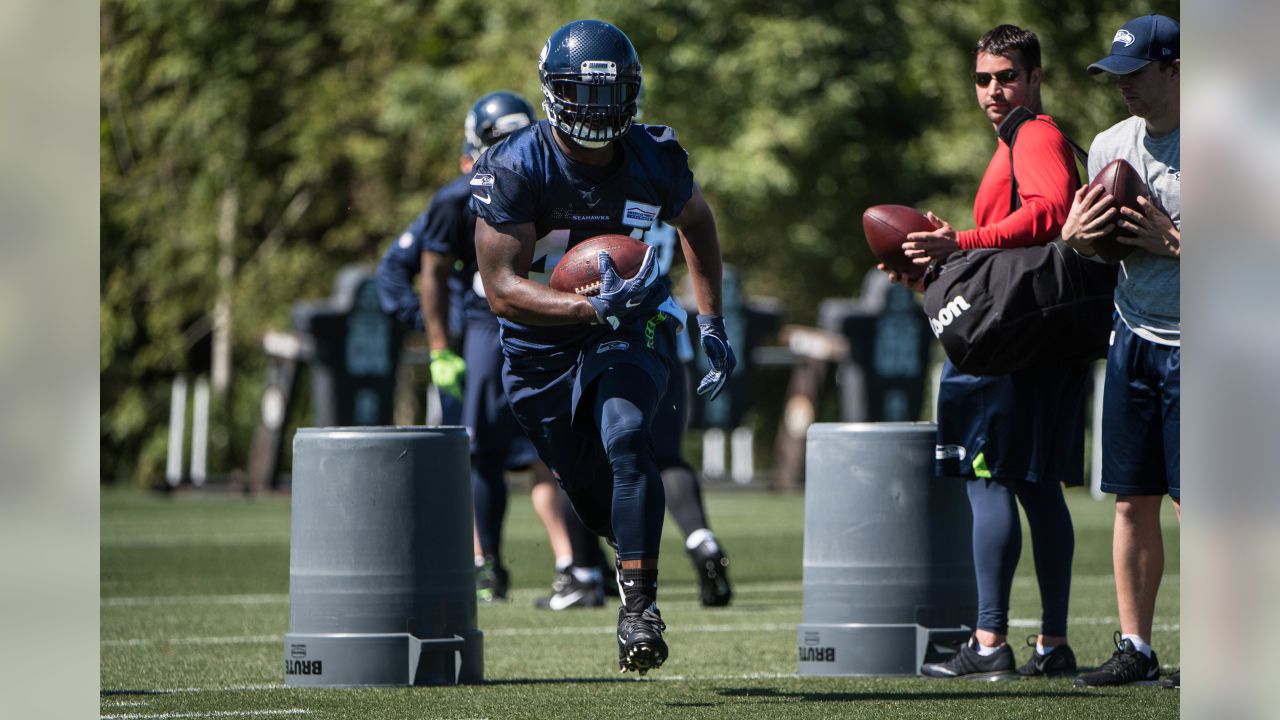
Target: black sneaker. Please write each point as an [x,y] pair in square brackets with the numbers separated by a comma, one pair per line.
[1059,662]
[969,665]
[1125,666]
[569,592]
[492,581]
[640,644]
[713,574]
[1174,681]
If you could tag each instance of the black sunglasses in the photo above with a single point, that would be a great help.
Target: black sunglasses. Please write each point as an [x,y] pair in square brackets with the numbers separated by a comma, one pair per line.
[983,79]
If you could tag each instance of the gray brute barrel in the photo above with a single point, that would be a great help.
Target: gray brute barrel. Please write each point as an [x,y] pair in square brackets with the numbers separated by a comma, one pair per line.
[888,567]
[381,576]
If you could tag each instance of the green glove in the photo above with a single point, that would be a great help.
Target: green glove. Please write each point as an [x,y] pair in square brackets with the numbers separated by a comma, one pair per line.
[447,370]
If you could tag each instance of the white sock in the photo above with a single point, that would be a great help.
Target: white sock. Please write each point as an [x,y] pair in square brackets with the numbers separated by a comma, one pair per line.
[1138,644]
[1044,649]
[985,651]
[563,563]
[479,561]
[697,537]
[587,575]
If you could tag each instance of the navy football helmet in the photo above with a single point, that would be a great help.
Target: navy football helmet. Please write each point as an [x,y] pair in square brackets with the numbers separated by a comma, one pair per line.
[494,117]
[590,81]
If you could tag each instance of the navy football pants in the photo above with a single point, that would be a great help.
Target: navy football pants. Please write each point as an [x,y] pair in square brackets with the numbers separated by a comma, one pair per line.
[997,544]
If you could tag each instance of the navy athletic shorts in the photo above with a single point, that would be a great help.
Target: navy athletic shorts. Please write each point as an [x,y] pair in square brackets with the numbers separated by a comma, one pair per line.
[1141,416]
[1027,426]
[546,390]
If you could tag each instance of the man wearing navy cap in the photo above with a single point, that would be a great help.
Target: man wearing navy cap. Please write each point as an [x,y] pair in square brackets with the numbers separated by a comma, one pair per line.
[1141,399]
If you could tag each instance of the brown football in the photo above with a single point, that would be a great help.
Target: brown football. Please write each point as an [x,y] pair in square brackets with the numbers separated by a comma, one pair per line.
[886,228]
[579,270]
[1123,183]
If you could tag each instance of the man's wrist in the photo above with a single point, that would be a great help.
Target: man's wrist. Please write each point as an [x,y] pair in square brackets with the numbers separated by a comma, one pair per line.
[596,317]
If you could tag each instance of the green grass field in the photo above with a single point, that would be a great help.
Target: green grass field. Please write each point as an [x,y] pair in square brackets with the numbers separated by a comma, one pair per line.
[195,606]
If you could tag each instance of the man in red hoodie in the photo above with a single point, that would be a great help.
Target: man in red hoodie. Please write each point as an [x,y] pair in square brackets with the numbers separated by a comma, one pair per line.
[1014,438]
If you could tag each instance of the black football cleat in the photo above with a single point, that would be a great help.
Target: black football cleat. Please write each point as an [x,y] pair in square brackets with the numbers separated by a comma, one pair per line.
[492,581]
[640,644]
[567,591]
[712,568]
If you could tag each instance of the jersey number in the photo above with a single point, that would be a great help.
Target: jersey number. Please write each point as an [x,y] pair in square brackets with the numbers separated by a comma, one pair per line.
[546,253]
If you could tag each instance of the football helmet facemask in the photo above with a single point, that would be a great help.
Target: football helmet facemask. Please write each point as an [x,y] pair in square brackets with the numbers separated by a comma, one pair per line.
[590,82]
[494,117]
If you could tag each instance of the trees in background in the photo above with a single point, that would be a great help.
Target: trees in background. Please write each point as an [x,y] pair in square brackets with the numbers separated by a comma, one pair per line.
[250,148]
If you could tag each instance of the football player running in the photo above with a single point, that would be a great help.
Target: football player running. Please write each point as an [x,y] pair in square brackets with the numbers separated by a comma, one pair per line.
[584,375]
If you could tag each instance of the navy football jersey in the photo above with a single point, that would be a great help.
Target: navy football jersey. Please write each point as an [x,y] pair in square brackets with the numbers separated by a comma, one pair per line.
[447,226]
[527,179]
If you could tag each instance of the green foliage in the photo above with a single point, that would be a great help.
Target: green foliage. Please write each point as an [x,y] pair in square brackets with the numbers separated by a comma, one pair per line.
[331,124]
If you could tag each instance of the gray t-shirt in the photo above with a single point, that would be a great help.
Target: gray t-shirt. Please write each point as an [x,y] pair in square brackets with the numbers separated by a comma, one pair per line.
[1147,296]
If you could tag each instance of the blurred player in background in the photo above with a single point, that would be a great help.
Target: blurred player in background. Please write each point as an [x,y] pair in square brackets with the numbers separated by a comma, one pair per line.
[1141,413]
[440,247]
[1013,438]
[585,375]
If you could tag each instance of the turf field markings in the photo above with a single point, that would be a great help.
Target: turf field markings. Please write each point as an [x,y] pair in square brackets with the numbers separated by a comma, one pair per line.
[1032,623]
[212,714]
[742,588]
[492,632]
[609,630]
[166,541]
[233,640]
[586,630]
[148,601]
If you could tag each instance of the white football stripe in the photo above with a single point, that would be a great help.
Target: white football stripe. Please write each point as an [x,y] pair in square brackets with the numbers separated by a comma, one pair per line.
[590,630]
[145,601]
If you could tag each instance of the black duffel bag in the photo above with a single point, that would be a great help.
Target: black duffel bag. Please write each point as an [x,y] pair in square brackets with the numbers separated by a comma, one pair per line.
[999,311]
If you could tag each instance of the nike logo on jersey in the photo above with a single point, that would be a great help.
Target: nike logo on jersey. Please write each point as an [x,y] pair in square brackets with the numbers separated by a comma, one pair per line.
[633,302]
[486,198]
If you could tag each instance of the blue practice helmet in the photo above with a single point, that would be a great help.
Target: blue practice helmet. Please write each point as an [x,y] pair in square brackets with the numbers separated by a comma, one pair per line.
[494,117]
[590,82]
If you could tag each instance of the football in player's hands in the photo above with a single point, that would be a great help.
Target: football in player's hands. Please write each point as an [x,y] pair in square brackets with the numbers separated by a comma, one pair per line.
[579,270]
[1119,180]
[886,228]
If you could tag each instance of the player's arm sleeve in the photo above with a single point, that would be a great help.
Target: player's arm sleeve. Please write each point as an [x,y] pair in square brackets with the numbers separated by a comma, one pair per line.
[394,279]
[503,196]
[1045,169]
[439,228]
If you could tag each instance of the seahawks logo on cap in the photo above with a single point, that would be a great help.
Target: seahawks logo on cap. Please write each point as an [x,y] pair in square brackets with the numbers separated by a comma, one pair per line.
[1124,37]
